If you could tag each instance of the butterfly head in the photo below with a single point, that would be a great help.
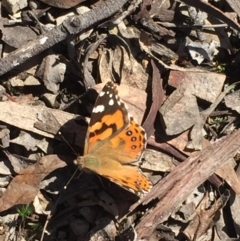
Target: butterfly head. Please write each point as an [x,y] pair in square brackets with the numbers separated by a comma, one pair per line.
[86,161]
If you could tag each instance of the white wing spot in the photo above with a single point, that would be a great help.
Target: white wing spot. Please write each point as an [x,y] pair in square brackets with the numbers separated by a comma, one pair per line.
[110,95]
[102,93]
[111,102]
[98,109]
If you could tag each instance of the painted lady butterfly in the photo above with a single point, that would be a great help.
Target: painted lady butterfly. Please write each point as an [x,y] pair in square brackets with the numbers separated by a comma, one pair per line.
[114,141]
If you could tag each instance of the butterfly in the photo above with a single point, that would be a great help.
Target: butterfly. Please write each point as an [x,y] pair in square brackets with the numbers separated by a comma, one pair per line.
[113,142]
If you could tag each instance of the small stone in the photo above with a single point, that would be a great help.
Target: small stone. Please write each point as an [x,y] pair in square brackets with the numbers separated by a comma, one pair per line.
[33,4]
[31,81]
[50,98]
[16,82]
[14,6]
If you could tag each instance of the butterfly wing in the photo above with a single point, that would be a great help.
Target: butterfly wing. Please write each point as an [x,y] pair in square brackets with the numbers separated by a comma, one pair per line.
[126,147]
[130,143]
[126,176]
[109,117]
[112,159]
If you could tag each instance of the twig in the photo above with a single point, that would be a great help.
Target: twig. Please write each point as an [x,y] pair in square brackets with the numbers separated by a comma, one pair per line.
[210,9]
[194,26]
[72,25]
[157,100]
[172,190]
[214,105]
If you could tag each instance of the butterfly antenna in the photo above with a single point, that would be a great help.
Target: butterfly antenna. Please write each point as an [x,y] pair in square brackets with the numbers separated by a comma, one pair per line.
[65,187]
[67,143]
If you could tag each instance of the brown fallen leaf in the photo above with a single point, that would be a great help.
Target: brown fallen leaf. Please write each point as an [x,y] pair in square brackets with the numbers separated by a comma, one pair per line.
[229,175]
[16,36]
[158,97]
[182,105]
[47,122]
[206,85]
[179,113]
[232,101]
[62,3]
[157,161]
[25,116]
[25,186]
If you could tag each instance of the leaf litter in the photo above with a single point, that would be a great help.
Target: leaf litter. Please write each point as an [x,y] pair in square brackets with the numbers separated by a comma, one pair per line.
[177,65]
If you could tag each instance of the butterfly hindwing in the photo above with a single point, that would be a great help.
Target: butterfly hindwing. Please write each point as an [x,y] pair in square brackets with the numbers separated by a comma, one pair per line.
[126,147]
[130,143]
[126,176]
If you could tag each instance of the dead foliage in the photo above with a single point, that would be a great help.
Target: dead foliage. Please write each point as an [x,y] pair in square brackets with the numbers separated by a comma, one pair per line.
[177,66]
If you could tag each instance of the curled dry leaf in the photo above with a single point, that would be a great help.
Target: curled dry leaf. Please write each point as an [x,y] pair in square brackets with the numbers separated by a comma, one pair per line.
[25,186]
[18,163]
[53,73]
[122,65]
[41,204]
[200,51]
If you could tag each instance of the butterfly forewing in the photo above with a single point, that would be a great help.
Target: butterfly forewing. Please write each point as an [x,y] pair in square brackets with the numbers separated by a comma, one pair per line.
[109,117]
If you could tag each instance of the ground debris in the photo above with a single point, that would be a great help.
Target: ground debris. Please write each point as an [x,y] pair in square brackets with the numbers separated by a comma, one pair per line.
[176,67]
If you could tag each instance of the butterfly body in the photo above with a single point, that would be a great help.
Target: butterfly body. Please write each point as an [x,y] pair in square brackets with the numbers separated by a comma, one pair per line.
[114,143]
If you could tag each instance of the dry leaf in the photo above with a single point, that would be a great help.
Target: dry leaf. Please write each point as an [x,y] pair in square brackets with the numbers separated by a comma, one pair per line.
[25,186]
